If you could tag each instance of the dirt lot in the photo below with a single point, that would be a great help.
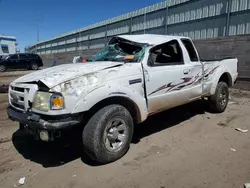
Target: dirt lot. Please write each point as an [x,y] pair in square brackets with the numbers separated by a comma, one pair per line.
[183,147]
[9,76]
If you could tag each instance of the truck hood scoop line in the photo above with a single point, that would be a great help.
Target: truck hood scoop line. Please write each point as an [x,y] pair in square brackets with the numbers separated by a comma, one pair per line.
[53,76]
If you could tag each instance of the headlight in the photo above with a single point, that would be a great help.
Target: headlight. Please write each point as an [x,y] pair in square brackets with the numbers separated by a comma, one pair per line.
[45,101]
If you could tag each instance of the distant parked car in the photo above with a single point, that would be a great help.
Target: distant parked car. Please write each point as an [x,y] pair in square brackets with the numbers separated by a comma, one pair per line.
[20,61]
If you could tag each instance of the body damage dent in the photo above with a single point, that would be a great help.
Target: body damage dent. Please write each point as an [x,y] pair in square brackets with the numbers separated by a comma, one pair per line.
[75,85]
[57,75]
[107,91]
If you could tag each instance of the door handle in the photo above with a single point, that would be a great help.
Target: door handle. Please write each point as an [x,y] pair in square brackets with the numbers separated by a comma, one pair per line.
[186,71]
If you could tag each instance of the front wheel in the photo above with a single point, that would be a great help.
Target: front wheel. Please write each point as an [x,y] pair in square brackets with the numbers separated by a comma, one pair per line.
[21,126]
[108,134]
[34,66]
[218,102]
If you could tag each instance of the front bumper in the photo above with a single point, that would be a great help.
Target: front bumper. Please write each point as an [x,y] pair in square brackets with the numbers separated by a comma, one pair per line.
[36,121]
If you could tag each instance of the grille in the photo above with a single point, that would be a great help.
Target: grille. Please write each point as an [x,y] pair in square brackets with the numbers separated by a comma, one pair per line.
[18,105]
[19,89]
[17,97]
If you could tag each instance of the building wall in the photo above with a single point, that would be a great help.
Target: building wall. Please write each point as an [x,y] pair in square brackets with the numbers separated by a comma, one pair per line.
[10,42]
[223,47]
[197,19]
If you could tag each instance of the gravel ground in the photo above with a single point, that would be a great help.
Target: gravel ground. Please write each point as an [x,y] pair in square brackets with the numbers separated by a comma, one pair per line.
[7,77]
[184,147]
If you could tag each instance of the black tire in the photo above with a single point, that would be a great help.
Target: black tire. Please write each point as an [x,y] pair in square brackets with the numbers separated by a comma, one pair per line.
[21,126]
[2,68]
[94,139]
[34,66]
[219,101]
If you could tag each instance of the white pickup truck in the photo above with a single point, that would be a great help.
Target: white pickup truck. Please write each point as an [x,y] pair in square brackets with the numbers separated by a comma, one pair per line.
[134,77]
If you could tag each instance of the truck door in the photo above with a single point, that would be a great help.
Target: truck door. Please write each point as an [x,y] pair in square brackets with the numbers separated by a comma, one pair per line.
[167,77]
[194,67]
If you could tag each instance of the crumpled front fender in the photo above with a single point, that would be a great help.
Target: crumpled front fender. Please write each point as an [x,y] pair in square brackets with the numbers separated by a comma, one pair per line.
[99,93]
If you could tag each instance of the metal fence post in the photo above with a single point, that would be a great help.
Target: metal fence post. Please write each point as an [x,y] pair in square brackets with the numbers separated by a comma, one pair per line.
[166,21]
[57,44]
[79,47]
[229,2]
[130,25]
[88,42]
[144,22]
[106,35]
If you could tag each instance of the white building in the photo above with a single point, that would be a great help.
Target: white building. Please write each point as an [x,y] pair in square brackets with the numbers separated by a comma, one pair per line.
[7,45]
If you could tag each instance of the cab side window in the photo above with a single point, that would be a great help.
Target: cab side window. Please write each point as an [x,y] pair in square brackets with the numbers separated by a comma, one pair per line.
[169,53]
[190,49]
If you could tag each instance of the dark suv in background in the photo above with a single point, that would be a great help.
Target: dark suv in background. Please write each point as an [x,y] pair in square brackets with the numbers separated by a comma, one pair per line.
[20,61]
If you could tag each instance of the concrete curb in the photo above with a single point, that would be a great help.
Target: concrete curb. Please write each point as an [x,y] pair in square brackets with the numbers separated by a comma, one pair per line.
[4,88]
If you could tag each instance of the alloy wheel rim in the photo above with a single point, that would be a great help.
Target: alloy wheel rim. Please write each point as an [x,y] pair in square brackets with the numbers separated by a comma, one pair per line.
[115,135]
[223,98]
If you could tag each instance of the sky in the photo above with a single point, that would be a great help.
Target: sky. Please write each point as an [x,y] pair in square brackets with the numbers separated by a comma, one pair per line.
[21,18]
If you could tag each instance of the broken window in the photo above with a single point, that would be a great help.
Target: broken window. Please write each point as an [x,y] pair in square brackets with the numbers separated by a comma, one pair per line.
[119,49]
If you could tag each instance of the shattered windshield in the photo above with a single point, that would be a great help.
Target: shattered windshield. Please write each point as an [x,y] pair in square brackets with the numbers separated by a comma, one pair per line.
[119,50]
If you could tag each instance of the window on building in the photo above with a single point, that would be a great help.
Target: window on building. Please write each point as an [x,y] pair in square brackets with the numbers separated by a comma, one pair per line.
[5,48]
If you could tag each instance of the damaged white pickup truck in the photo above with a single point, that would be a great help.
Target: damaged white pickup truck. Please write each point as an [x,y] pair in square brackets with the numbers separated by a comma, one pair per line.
[134,77]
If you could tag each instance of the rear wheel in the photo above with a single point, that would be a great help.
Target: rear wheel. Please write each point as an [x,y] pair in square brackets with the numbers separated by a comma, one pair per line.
[219,101]
[2,68]
[34,66]
[108,134]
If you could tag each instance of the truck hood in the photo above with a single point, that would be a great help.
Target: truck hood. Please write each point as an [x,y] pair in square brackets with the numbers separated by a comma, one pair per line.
[62,73]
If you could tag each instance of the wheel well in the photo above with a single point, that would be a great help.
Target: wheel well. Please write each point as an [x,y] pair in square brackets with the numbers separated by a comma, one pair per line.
[226,78]
[123,101]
